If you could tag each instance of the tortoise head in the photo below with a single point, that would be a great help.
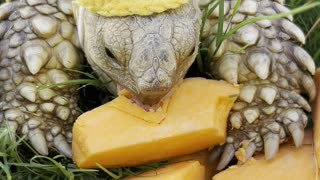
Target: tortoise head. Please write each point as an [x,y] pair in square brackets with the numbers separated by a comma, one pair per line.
[147,55]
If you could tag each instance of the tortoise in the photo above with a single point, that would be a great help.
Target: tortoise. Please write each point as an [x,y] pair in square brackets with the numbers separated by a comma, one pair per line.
[45,42]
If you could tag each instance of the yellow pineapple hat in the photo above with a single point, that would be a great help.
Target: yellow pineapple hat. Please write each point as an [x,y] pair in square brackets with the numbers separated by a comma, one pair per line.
[129,7]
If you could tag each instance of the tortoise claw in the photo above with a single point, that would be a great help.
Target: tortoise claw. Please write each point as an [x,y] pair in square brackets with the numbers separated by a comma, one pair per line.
[226,157]
[251,149]
[297,133]
[38,141]
[271,145]
[62,145]
[215,153]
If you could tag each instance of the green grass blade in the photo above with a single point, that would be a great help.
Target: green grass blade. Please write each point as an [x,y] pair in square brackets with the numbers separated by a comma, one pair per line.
[6,170]
[312,29]
[131,173]
[220,32]
[272,17]
[236,7]
[83,73]
[206,13]
[72,83]
[114,176]
[210,11]
[68,174]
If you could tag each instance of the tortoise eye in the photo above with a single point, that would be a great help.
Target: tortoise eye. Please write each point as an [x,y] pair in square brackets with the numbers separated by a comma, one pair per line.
[109,53]
[113,58]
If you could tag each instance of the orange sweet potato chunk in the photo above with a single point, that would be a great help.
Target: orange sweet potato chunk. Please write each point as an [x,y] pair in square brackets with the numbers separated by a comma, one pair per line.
[187,170]
[204,158]
[316,116]
[120,133]
[291,163]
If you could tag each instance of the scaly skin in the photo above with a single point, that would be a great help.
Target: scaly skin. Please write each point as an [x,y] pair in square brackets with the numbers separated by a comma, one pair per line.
[271,70]
[148,55]
[38,42]
[145,54]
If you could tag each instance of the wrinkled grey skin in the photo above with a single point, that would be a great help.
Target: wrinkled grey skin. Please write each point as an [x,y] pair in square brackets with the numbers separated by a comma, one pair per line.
[145,55]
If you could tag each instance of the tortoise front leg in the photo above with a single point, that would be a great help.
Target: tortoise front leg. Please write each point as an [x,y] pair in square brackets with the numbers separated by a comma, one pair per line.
[272,72]
[38,44]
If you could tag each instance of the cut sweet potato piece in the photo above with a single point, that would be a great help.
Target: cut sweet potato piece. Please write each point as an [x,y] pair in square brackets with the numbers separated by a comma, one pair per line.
[194,119]
[316,116]
[203,157]
[291,163]
[187,170]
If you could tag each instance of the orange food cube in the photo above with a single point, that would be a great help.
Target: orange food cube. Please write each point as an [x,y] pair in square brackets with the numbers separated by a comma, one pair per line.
[120,133]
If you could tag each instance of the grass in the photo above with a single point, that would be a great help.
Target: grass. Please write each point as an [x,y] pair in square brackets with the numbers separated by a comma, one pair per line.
[309,22]
[19,161]
[307,17]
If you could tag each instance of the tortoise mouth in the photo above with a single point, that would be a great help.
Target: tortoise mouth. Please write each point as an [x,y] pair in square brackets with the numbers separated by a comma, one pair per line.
[154,93]
[146,107]
[149,99]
